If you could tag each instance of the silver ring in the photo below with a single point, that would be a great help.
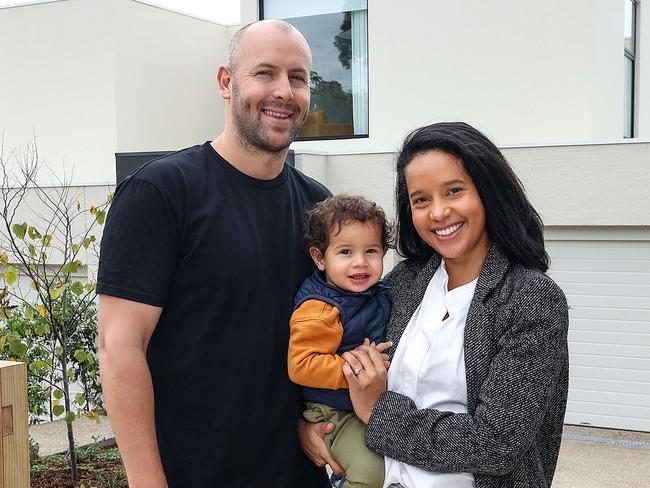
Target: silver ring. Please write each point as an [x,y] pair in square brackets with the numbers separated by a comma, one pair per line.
[357,371]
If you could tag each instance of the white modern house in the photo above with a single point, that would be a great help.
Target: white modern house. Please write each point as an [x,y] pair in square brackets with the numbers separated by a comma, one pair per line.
[562,87]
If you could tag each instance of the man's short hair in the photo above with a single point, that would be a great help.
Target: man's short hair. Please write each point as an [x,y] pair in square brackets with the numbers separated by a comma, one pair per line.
[233,48]
[327,218]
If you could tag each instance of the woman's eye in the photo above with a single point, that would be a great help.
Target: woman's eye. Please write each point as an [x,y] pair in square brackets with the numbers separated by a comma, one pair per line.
[454,191]
[419,200]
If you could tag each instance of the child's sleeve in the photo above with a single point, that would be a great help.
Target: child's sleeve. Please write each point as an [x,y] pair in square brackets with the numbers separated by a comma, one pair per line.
[316,332]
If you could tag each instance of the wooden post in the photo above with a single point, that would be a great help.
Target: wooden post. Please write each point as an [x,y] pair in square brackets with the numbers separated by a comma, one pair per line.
[14,448]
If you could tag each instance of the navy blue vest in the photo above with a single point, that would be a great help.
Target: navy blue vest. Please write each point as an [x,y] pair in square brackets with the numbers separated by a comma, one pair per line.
[362,315]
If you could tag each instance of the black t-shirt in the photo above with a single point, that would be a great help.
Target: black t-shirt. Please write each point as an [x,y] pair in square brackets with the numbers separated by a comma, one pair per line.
[222,254]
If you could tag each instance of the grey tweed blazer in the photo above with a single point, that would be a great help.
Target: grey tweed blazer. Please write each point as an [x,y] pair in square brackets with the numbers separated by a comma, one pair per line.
[517,366]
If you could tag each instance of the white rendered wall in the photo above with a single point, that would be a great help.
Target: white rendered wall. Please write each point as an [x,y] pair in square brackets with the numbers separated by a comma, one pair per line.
[165,78]
[56,81]
[589,185]
[533,72]
[94,77]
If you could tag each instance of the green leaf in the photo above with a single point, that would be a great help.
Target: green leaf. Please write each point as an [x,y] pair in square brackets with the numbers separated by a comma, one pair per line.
[33,233]
[29,313]
[32,250]
[88,240]
[80,399]
[71,267]
[69,417]
[100,217]
[75,248]
[57,291]
[3,341]
[58,410]
[19,230]
[77,288]
[58,394]
[4,258]
[58,350]
[89,287]
[80,355]
[47,240]
[38,365]
[70,374]
[17,348]
[11,275]
[34,285]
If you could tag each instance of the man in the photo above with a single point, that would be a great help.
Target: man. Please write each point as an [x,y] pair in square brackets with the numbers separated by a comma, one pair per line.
[200,259]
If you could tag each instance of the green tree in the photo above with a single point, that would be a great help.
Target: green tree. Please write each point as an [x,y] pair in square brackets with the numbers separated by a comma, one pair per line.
[46,305]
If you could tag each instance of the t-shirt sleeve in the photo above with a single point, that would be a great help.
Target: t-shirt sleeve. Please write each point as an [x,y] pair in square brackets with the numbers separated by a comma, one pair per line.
[140,245]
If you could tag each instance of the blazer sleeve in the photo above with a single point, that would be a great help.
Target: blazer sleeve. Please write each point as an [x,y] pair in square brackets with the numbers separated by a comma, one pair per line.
[316,333]
[531,354]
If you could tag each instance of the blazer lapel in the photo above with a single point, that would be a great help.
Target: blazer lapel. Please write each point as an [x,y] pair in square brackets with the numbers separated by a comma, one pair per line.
[480,346]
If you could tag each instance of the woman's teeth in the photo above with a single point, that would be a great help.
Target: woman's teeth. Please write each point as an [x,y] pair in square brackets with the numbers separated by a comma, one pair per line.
[448,231]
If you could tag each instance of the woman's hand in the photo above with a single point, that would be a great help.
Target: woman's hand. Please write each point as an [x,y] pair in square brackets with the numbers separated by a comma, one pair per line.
[311,441]
[365,370]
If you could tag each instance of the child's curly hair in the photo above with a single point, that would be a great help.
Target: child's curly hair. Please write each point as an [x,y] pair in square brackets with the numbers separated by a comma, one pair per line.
[327,217]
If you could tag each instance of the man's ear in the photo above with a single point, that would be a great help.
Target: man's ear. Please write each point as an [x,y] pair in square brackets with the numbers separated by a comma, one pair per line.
[224,81]
[317,256]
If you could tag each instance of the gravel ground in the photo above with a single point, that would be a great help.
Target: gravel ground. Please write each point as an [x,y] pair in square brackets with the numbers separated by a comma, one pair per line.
[52,437]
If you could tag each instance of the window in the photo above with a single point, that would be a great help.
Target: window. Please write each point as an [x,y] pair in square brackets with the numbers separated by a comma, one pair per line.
[630,68]
[337,32]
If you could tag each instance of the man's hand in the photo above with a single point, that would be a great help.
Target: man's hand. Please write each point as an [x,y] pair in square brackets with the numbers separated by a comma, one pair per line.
[311,441]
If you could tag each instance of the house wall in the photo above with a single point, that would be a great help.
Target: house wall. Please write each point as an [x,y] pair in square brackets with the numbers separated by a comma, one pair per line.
[165,85]
[57,83]
[542,72]
[571,185]
[94,77]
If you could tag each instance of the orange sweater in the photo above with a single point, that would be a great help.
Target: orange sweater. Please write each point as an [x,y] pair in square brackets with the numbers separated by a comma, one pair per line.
[316,332]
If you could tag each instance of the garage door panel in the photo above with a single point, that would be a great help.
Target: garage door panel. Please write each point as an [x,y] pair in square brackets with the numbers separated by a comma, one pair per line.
[629,411]
[614,398]
[611,362]
[638,303]
[607,421]
[601,265]
[619,338]
[609,350]
[598,325]
[603,277]
[607,283]
[616,386]
[607,290]
[605,373]
[641,316]
[598,250]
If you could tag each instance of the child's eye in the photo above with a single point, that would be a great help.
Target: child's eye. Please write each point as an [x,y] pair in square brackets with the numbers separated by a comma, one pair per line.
[345,251]
[371,251]
[454,191]
[419,201]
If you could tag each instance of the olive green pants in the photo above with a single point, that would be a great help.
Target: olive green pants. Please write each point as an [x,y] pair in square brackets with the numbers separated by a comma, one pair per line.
[363,468]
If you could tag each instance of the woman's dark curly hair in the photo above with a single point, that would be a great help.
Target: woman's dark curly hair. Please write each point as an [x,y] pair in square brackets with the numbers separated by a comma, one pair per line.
[327,218]
[510,219]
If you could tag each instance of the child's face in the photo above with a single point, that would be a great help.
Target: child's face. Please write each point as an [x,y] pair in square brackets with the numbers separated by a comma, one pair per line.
[354,258]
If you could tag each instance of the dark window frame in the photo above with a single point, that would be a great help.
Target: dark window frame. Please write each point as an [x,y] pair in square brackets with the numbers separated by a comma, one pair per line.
[260,9]
[631,55]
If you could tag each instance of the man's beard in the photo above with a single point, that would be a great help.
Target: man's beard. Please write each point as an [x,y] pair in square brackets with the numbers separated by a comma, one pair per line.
[252,133]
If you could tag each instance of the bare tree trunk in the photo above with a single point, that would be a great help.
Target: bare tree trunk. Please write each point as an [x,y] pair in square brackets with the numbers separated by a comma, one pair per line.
[66,397]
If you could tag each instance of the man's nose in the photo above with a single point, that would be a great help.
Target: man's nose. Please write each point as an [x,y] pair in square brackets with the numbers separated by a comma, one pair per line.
[282,89]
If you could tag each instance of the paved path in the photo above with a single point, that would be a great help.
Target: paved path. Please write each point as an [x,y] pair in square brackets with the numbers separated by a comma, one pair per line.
[52,437]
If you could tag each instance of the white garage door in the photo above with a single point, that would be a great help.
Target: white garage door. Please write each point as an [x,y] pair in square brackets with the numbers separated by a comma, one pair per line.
[607,284]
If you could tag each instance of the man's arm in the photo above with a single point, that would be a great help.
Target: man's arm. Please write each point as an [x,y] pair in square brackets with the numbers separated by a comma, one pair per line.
[125,328]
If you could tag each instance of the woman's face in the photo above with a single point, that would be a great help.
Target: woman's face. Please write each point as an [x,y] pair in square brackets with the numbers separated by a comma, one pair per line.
[446,208]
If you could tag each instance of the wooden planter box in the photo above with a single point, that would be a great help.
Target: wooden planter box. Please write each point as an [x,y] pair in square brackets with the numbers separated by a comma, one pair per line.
[14,448]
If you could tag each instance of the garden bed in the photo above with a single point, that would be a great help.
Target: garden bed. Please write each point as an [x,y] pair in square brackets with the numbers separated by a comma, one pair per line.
[99,467]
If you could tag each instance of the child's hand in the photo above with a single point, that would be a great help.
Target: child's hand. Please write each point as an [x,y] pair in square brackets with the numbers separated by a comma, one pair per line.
[381,347]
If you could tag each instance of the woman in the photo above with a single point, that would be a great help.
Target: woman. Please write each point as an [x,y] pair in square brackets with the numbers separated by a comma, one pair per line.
[476,391]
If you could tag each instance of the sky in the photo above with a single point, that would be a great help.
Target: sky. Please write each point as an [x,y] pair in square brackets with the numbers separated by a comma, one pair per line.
[220,11]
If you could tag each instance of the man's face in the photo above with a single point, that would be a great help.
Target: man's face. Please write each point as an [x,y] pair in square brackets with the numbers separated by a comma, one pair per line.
[270,88]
